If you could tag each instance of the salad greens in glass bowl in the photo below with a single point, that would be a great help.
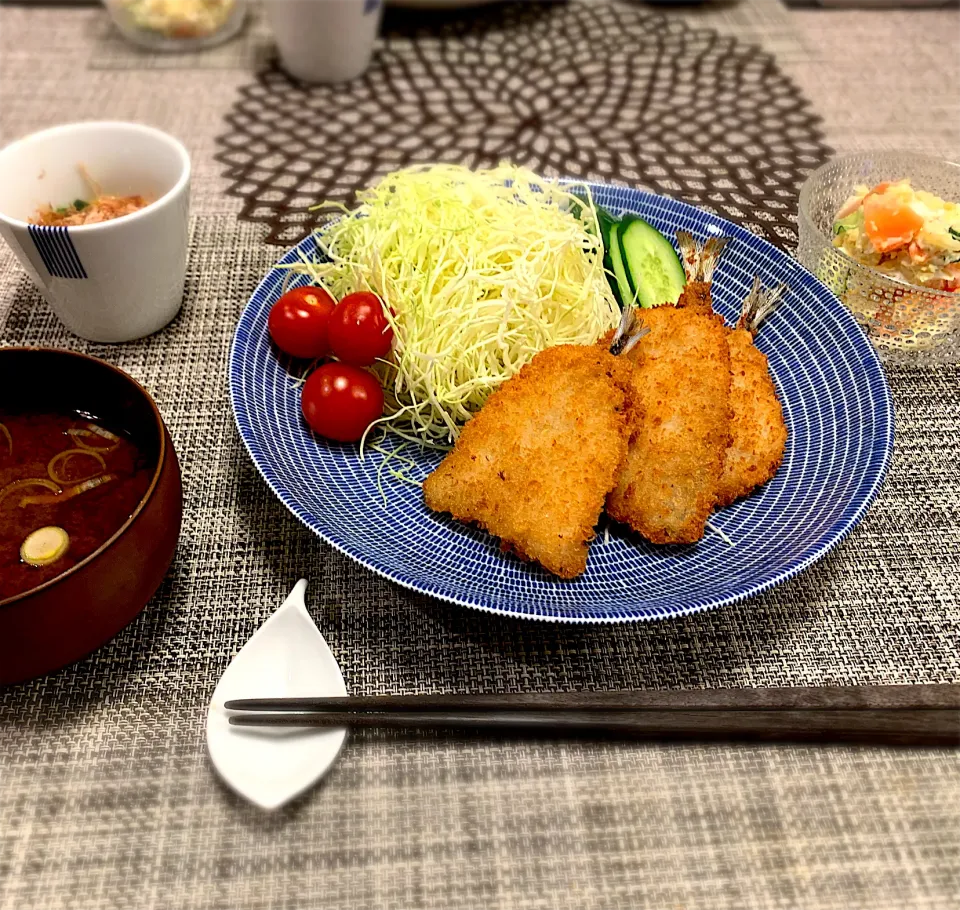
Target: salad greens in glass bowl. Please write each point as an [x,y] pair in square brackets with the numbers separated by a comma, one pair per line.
[882,231]
[177,25]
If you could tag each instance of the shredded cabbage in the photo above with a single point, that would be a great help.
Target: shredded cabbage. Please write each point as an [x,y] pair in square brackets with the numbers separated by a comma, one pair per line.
[479,271]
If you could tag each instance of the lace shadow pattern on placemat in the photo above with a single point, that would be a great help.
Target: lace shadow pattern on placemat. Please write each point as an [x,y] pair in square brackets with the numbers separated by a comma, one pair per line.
[611,93]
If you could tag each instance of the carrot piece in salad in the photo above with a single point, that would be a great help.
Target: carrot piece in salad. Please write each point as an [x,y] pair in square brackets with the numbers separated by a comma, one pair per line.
[889,222]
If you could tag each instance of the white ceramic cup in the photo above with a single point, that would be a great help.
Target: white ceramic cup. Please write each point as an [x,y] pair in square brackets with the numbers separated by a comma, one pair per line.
[325,40]
[116,280]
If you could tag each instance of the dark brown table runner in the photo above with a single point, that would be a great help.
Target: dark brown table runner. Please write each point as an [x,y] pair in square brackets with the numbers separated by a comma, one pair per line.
[589,91]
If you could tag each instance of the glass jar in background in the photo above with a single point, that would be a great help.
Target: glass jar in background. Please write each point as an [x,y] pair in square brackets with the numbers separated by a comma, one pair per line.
[177,25]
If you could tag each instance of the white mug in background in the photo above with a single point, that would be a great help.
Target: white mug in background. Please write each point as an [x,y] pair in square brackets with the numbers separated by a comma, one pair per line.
[325,40]
[114,280]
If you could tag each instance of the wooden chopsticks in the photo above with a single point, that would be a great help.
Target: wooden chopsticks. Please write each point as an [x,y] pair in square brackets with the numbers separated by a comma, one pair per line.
[902,715]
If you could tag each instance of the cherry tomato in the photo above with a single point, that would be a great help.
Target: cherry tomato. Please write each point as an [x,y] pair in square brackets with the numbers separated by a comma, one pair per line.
[359,331]
[299,320]
[340,401]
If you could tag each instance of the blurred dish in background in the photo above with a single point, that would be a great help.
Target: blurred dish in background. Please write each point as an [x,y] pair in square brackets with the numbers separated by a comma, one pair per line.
[328,41]
[116,280]
[440,4]
[177,25]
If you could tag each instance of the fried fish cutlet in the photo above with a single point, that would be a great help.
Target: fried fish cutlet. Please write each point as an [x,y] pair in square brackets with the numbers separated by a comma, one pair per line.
[759,433]
[534,466]
[679,417]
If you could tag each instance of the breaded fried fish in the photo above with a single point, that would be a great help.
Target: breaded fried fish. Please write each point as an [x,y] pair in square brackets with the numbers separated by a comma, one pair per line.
[534,466]
[679,416]
[759,434]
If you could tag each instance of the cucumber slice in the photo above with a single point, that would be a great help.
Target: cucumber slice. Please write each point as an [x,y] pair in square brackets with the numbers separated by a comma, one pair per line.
[606,223]
[621,287]
[842,225]
[653,269]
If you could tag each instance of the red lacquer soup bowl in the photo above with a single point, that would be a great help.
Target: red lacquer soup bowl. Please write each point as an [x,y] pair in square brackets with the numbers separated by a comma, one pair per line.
[90,506]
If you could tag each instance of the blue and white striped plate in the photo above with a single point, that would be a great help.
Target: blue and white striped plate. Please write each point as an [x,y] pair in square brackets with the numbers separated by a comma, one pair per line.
[837,405]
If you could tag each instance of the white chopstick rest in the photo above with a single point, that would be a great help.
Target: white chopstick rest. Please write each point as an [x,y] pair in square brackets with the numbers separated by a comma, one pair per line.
[286,657]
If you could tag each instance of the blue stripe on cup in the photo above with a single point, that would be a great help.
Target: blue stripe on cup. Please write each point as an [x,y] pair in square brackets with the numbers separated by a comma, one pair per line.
[57,251]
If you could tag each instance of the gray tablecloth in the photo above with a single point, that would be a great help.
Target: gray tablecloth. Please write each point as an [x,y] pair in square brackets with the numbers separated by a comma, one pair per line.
[107,798]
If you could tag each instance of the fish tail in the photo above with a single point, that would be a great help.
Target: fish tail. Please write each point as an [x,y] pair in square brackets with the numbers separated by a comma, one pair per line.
[759,304]
[628,333]
[700,261]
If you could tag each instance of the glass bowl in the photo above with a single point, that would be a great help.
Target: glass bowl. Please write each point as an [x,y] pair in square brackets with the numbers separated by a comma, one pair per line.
[177,25]
[907,323]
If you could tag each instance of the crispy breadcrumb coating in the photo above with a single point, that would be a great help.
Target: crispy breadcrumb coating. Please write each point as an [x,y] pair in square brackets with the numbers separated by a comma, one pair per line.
[534,466]
[759,432]
[679,420]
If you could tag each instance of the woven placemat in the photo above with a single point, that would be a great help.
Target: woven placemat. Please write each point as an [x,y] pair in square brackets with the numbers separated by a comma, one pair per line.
[591,91]
[107,799]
